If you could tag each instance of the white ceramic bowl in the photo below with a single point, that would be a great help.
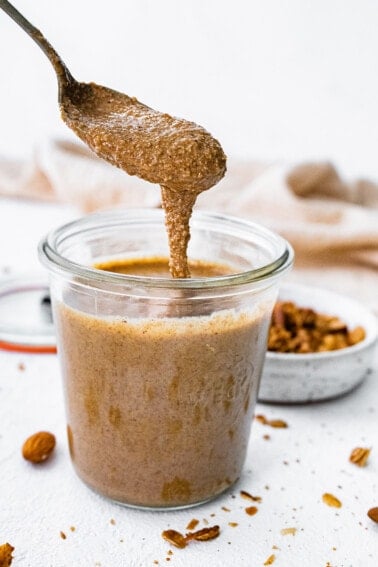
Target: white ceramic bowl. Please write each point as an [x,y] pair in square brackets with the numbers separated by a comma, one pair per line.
[300,378]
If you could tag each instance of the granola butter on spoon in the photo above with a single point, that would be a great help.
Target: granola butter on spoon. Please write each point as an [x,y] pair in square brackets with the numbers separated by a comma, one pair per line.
[182,157]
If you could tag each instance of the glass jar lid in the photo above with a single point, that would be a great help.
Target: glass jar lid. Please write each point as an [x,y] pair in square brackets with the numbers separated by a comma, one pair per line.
[26,323]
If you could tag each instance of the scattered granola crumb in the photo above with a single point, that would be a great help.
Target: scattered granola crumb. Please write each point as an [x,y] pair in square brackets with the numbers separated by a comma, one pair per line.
[271,559]
[179,540]
[334,548]
[112,521]
[373,514]
[206,522]
[156,562]
[261,419]
[266,437]
[251,510]
[6,550]
[205,534]
[63,535]
[21,366]
[249,496]
[225,509]
[192,524]
[212,515]
[331,500]
[289,531]
[169,552]
[276,423]
[275,547]
[167,558]
[175,538]
[359,456]
[72,528]
[233,524]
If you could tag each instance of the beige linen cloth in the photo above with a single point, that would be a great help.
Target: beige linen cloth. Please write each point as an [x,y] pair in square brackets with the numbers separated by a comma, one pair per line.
[332,224]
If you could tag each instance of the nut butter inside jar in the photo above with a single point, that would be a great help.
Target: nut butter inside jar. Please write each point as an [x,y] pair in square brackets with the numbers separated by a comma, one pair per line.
[160,374]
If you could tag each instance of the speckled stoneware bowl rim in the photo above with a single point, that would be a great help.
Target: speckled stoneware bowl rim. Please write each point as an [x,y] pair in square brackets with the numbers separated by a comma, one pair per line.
[371,330]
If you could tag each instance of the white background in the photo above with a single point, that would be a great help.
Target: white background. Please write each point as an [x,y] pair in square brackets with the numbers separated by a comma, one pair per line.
[272,79]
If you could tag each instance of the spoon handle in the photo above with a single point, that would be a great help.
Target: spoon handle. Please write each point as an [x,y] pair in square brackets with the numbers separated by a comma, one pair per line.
[63,75]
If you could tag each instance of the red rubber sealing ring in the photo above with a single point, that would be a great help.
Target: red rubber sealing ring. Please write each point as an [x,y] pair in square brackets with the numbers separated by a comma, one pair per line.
[28,348]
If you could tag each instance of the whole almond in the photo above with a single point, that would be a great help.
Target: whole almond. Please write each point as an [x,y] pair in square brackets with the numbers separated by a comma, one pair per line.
[38,447]
[373,514]
[6,554]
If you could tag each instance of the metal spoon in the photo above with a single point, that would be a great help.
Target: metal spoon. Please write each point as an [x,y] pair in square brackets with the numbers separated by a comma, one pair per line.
[63,75]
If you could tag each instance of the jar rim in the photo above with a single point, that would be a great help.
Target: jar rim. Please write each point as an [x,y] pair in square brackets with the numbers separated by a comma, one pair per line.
[56,262]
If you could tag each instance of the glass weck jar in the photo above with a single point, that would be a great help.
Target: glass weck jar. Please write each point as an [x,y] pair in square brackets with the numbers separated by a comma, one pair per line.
[161,375]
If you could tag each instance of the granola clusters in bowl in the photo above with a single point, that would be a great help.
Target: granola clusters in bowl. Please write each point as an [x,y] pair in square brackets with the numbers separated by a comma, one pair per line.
[320,346]
[303,330]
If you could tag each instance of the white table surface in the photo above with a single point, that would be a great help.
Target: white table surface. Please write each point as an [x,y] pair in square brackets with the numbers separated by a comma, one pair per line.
[290,471]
